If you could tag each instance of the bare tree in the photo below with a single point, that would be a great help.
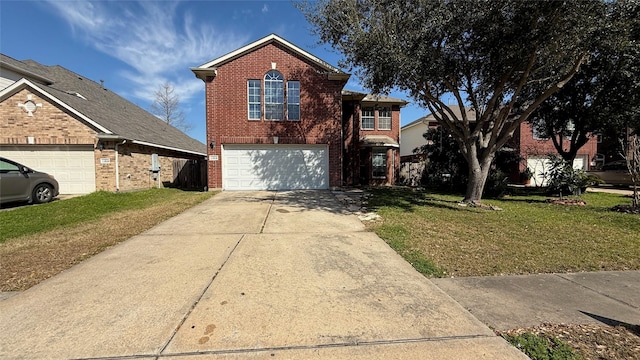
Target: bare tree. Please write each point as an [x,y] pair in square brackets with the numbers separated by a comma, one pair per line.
[166,106]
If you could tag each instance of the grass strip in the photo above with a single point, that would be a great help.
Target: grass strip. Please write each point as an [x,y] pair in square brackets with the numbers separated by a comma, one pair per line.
[59,214]
[528,236]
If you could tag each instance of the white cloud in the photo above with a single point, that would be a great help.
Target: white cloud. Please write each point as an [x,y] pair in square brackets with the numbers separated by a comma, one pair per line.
[265,8]
[156,39]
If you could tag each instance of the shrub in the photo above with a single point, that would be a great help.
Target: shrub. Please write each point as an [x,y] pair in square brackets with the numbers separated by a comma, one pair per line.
[564,179]
[542,348]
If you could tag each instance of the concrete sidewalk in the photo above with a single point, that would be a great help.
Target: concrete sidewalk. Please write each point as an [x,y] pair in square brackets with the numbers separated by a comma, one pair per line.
[511,302]
[246,275]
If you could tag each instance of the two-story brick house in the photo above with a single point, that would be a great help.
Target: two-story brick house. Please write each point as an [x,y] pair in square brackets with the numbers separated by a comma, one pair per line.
[278,118]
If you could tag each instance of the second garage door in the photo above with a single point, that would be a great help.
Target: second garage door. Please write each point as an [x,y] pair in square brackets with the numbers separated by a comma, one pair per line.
[540,166]
[73,166]
[275,167]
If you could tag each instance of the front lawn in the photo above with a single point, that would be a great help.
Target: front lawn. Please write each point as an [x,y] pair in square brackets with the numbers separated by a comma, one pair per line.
[39,241]
[528,236]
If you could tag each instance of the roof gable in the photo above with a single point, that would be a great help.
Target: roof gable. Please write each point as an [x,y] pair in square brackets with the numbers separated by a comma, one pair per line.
[209,68]
[105,110]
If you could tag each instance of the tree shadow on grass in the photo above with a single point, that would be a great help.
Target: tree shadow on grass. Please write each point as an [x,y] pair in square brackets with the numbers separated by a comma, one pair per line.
[410,199]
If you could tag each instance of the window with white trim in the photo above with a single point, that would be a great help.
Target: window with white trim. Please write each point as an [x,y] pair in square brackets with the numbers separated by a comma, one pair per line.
[368,118]
[273,96]
[379,163]
[293,100]
[384,118]
[253,89]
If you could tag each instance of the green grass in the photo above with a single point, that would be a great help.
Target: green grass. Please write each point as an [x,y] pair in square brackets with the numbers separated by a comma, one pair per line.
[67,213]
[528,236]
[542,348]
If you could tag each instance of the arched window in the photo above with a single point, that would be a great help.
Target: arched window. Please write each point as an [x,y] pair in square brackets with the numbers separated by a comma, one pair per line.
[273,96]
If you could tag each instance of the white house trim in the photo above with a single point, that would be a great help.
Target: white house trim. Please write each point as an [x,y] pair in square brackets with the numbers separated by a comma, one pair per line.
[265,40]
[167,147]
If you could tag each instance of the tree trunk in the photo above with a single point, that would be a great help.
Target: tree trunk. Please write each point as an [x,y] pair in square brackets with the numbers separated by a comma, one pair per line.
[478,173]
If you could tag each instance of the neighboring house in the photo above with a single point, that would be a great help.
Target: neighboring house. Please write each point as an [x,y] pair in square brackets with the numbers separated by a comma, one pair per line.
[532,149]
[278,118]
[88,137]
[535,150]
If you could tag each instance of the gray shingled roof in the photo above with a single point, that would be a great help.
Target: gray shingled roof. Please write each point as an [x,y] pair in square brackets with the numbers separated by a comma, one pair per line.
[374,98]
[108,109]
[471,115]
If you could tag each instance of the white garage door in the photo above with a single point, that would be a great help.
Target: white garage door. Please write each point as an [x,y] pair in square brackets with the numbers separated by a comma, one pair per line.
[275,167]
[539,166]
[72,166]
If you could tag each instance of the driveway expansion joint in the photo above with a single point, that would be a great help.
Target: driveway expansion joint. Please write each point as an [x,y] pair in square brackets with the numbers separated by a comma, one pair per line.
[299,347]
[204,291]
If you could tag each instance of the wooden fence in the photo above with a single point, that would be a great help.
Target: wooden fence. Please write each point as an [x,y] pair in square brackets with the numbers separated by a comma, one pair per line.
[190,174]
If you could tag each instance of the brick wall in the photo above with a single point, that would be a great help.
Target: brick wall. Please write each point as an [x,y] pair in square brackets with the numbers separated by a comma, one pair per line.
[134,162]
[533,147]
[48,125]
[394,133]
[227,107]
[52,125]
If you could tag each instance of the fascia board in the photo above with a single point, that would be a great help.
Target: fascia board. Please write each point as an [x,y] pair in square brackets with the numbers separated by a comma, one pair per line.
[167,147]
[30,74]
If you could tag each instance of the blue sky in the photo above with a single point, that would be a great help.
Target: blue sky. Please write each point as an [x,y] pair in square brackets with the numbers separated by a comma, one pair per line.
[134,46]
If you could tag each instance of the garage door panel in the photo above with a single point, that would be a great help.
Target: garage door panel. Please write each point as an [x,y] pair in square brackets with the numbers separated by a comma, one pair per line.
[72,166]
[540,167]
[275,167]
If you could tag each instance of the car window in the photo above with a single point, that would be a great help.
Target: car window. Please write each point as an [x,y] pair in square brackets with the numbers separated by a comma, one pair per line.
[6,167]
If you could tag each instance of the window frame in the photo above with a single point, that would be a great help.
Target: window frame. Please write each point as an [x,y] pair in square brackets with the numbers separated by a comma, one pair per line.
[389,118]
[385,157]
[535,134]
[249,98]
[371,118]
[291,96]
[274,90]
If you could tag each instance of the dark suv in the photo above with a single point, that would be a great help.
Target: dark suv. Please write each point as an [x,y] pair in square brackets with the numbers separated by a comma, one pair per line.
[20,183]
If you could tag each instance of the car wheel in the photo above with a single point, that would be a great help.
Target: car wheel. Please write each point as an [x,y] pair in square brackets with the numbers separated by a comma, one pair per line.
[42,193]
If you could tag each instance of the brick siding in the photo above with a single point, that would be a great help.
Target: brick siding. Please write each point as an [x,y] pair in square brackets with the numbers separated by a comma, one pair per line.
[530,147]
[52,125]
[227,107]
[49,124]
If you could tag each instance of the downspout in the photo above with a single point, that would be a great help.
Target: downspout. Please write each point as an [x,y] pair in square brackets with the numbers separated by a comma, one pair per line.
[118,167]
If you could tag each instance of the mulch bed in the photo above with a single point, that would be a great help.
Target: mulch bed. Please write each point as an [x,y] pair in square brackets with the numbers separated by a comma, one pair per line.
[600,342]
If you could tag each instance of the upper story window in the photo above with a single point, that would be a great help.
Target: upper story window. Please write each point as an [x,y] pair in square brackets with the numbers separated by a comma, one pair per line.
[384,118]
[293,100]
[255,106]
[368,118]
[537,134]
[273,96]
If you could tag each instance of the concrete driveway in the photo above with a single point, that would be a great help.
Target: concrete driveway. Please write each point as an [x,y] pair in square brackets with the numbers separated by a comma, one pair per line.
[246,275]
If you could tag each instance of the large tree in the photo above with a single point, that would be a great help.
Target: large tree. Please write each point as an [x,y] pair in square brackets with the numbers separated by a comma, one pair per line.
[166,106]
[503,58]
[604,96]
